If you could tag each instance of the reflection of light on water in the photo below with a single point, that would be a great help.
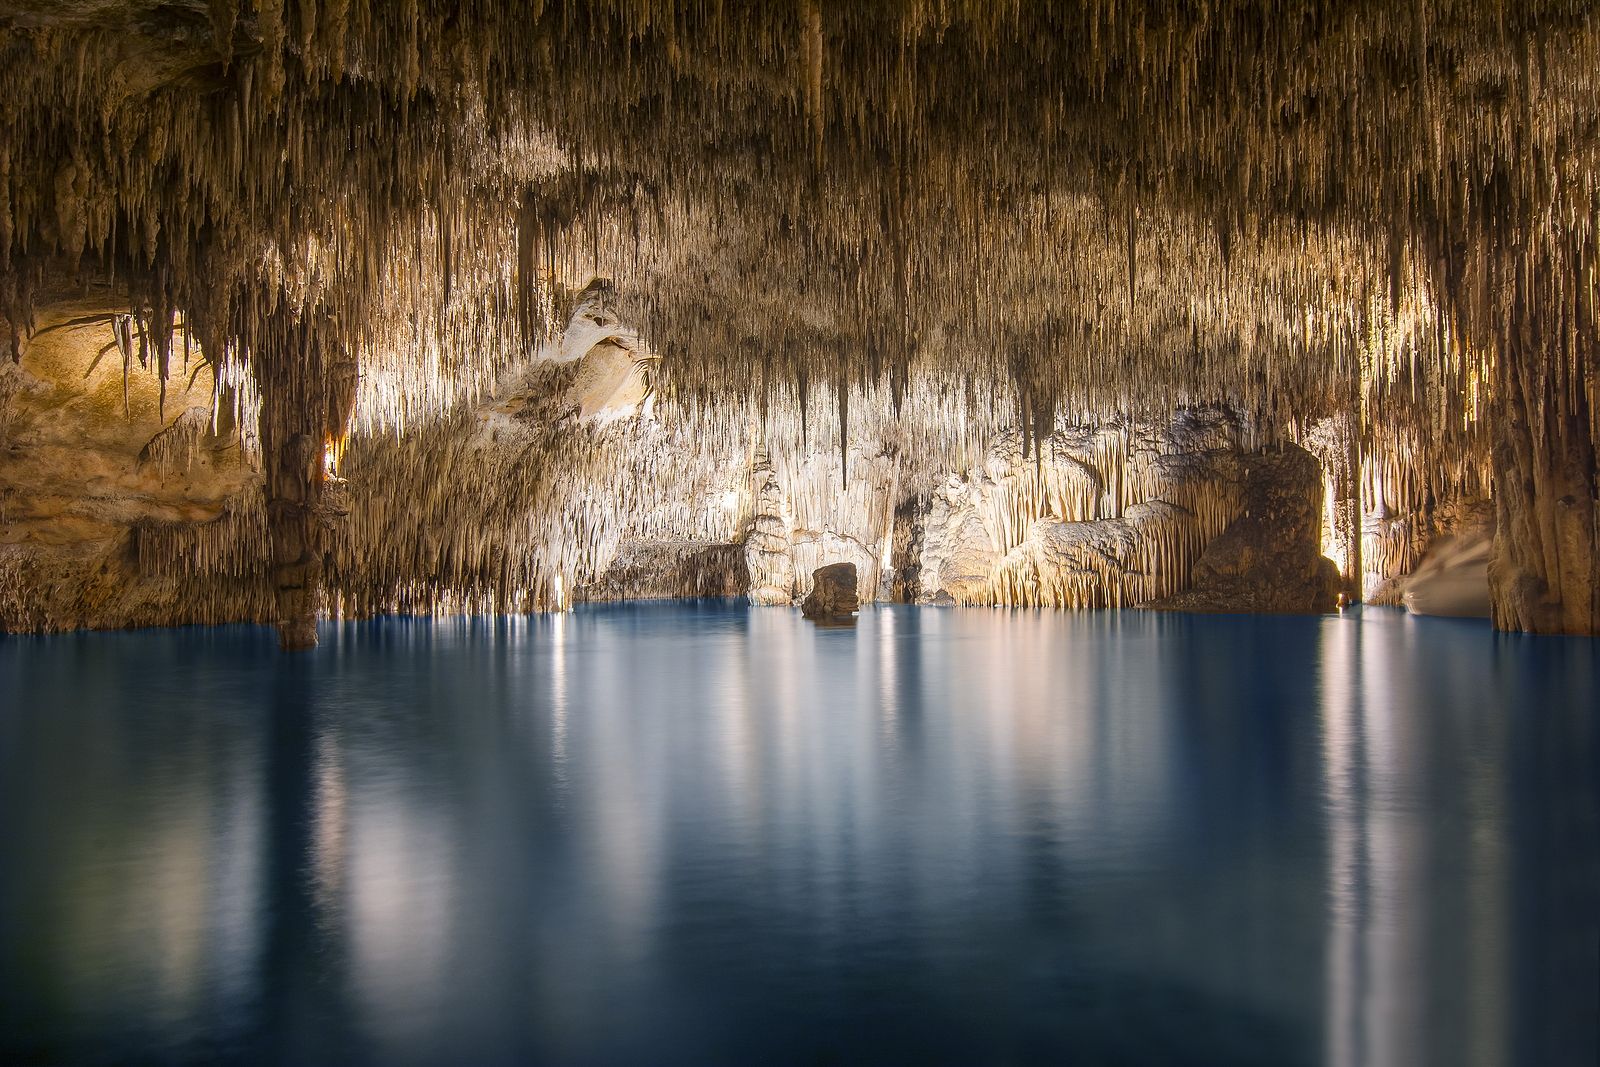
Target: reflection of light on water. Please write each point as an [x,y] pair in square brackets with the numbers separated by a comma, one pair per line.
[329,819]
[735,734]
[1375,914]
[558,702]
[618,789]
[402,896]
[161,917]
[1489,966]
[1340,721]
[888,675]
[1080,721]
[1384,925]
[1043,795]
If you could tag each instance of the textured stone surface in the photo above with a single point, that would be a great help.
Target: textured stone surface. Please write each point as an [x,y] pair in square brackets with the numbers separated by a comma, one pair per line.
[407,197]
[1545,574]
[767,541]
[1421,535]
[1105,513]
[833,592]
[660,570]
[94,467]
[166,523]
[1335,441]
[1269,559]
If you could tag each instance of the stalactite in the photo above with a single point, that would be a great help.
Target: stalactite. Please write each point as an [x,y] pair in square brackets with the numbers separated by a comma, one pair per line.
[1279,207]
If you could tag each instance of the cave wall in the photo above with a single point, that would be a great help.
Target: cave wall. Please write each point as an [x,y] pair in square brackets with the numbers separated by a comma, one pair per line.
[98,460]
[565,486]
[819,508]
[1104,513]
[1544,575]
[1268,559]
[568,484]
[664,570]
[1306,211]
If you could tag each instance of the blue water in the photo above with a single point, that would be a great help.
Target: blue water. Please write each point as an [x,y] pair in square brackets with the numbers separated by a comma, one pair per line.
[709,834]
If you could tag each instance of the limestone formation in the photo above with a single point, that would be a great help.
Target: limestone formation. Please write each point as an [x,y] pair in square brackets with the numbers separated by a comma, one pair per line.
[1269,558]
[1104,514]
[768,539]
[833,593]
[1413,537]
[486,292]
[1453,578]
[671,569]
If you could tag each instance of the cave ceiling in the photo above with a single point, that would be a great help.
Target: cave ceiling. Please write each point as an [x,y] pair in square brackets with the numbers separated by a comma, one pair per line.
[1289,207]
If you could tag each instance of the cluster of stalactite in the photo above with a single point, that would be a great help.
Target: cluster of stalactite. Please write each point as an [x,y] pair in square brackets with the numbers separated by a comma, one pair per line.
[1145,556]
[1107,513]
[236,544]
[518,505]
[519,509]
[1402,504]
[656,570]
[1293,208]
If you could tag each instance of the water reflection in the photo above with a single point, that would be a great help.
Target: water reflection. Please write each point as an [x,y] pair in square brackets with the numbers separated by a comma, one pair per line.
[708,833]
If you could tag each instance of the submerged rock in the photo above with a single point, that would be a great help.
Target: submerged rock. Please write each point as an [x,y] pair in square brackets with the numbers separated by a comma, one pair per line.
[833,592]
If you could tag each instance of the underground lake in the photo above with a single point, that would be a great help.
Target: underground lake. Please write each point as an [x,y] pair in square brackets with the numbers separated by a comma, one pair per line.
[702,832]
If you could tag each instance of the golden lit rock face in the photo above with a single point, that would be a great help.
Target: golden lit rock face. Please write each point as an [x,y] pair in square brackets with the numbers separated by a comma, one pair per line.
[92,459]
[961,218]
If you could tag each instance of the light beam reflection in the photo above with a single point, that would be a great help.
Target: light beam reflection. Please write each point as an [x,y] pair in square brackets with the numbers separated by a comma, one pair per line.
[725,831]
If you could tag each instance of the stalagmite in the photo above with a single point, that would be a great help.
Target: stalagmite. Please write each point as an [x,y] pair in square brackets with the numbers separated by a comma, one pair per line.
[1335,442]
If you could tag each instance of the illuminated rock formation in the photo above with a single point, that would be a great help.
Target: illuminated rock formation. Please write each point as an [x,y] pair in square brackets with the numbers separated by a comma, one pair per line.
[1453,578]
[1269,557]
[873,244]
[670,569]
[1099,515]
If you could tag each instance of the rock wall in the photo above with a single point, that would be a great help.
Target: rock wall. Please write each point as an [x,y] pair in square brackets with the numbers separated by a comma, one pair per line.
[1545,573]
[1411,538]
[1103,514]
[390,203]
[566,485]
[1405,511]
[1336,442]
[665,570]
[100,461]
[814,509]
[1453,576]
[1269,559]
[768,541]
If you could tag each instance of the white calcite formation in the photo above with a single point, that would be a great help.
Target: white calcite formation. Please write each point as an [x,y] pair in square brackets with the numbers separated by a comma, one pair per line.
[1103,514]
[573,480]
[769,540]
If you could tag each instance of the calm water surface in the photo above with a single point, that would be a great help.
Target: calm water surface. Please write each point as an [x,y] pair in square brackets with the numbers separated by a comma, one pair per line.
[710,834]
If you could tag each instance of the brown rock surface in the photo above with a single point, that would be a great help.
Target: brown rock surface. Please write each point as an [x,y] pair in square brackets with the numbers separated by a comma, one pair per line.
[95,467]
[1269,558]
[664,569]
[833,592]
